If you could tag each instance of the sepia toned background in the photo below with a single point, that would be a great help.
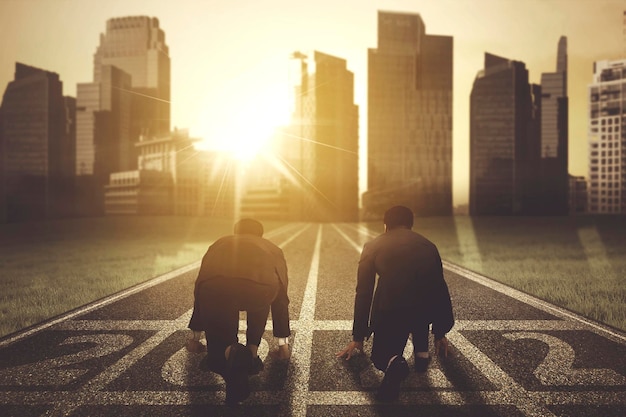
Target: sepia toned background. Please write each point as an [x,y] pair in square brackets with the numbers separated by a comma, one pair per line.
[231,60]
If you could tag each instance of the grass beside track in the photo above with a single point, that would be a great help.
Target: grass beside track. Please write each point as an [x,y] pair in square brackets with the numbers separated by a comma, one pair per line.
[48,268]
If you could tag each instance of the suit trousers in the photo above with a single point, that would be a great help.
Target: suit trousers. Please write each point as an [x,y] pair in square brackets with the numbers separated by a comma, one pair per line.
[218,302]
[391,332]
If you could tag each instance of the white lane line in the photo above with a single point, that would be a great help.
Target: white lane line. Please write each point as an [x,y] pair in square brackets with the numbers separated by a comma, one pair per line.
[580,397]
[156,325]
[182,398]
[366,398]
[347,238]
[510,390]
[292,237]
[300,364]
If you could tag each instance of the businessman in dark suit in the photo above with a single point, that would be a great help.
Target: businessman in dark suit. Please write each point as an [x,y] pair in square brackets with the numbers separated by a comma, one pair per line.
[410,296]
[240,272]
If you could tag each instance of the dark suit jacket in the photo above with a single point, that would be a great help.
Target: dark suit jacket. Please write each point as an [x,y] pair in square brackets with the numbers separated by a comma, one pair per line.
[255,259]
[410,280]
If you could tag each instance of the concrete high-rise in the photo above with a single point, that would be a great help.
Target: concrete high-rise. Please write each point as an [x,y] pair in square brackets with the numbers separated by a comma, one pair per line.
[501,141]
[409,118]
[553,163]
[136,45]
[324,145]
[129,98]
[103,138]
[607,138]
[36,146]
[104,143]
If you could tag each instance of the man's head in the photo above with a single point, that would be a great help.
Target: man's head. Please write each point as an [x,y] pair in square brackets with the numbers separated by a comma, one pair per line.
[398,216]
[249,227]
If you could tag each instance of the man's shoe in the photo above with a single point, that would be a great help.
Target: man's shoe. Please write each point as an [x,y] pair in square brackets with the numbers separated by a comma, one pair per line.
[256,366]
[421,364]
[237,384]
[396,372]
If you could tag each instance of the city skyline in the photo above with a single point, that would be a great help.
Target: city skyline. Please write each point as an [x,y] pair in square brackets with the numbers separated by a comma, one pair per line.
[243,60]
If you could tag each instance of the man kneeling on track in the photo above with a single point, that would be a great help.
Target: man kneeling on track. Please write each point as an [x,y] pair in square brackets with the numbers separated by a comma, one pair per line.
[410,295]
[240,272]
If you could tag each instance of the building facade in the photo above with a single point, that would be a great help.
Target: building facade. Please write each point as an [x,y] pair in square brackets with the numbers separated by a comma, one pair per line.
[138,192]
[409,118]
[607,138]
[37,146]
[173,177]
[323,150]
[553,163]
[103,144]
[577,195]
[501,120]
[519,139]
[136,45]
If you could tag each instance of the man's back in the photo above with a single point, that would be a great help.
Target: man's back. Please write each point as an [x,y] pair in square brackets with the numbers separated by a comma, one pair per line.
[244,256]
[409,268]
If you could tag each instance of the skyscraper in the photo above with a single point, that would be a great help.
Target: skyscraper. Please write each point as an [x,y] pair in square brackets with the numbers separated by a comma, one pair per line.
[500,126]
[36,150]
[103,143]
[327,139]
[103,117]
[607,138]
[136,45]
[128,98]
[553,167]
[409,118]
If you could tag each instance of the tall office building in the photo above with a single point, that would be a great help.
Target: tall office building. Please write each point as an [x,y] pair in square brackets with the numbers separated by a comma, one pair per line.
[103,139]
[409,118]
[36,147]
[104,142]
[607,138]
[553,167]
[501,140]
[137,46]
[327,139]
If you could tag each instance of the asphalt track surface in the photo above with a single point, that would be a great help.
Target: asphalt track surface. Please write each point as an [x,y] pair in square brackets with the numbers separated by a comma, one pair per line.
[512,355]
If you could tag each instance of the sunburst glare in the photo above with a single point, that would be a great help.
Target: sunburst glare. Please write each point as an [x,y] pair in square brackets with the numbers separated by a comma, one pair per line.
[243,127]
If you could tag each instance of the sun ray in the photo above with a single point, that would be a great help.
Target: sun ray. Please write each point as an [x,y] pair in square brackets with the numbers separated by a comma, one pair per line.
[306,180]
[303,139]
[142,95]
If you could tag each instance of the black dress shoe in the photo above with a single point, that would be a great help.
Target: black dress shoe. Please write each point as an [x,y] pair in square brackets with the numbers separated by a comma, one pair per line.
[256,367]
[396,372]
[237,384]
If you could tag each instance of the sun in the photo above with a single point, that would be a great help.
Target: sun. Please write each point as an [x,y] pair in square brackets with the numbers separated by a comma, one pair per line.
[243,128]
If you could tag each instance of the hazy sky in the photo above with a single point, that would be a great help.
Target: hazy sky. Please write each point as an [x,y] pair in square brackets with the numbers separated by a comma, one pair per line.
[230,58]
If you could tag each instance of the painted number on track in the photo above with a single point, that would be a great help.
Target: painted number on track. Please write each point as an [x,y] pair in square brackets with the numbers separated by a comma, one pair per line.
[57,371]
[557,367]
